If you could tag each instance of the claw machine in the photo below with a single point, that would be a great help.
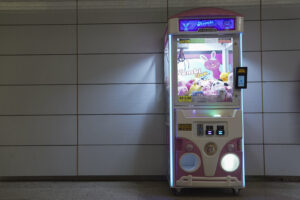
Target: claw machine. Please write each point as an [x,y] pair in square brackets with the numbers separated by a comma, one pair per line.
[204,78]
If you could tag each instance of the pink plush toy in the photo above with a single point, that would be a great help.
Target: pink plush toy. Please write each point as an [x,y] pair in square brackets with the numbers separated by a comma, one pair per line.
[228,96]
[189,84]
[205,84]
[183,91]
[213,64]
[181,83]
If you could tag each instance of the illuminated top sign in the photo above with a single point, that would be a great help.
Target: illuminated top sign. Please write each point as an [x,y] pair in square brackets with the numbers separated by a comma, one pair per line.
[188,25]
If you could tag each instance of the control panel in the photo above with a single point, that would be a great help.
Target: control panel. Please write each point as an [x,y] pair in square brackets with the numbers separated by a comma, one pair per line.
[211,129]
[205,129]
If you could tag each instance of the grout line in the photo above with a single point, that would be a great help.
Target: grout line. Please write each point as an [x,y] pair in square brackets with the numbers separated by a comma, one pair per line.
[96,84]
[124,23]
[273,144]
[122,144]
[121,84]
[130,53]
[278,19]
[84,54]
[66,24]
[77,145]
[121,114]
[274,81]
[83,24]
[280,50]
[127,23]
[39,145]
[36,115]
[39,54]
[167,10]
[87,114]
[81,84]
[77,95]
[139,144]
[262,88]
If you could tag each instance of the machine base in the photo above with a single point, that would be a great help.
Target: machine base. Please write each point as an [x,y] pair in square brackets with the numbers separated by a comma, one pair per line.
[209,182]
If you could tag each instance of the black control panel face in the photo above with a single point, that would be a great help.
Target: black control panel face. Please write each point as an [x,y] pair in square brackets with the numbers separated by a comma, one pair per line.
[209,130]
[217,129]
[200,130]
[220,130]
[241,77]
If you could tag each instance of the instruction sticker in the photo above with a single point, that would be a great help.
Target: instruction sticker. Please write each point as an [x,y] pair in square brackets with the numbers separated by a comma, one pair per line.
[185,99]
[185,127]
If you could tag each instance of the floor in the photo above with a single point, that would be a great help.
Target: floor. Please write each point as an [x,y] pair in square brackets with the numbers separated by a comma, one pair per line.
[139,190]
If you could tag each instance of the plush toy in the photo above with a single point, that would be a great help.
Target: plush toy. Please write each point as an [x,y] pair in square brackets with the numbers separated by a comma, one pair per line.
[228,96]
[197,93]
[213,64]
[189,84]
[181,83]
[217,85]
[183,91]
[194,88]
[205,84]
[224,76]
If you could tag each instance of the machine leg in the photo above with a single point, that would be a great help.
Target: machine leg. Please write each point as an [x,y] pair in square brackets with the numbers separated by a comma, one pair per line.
[176,191]
[236,191]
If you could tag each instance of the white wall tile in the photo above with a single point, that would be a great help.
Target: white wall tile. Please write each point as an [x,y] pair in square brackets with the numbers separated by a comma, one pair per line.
[278,9]
[122,129]
[16,100]
[281,66]
[38,12]
[252,98]
[121,68]
[251,36]
[123,160]
[121,38]
[280,35]
[127,11]
[282,128]
[253,128]
[250,9]
[281,97]
[38,130]
[252,60]
[58,69]
[254,160]
[117,99]
[38,161]
[40,39]
[282,160]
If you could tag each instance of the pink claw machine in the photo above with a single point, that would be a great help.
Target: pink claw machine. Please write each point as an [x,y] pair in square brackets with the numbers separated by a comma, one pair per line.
[204,78]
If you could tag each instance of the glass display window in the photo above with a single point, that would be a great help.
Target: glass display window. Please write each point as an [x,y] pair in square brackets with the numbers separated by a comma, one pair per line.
[205,69]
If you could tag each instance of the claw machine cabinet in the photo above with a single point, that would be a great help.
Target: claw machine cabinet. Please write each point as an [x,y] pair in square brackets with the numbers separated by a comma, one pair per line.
[204,79]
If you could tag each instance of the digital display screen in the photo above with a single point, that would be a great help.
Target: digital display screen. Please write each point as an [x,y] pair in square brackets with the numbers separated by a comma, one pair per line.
[188,25]
[241,81]
[220,132]
[241,77]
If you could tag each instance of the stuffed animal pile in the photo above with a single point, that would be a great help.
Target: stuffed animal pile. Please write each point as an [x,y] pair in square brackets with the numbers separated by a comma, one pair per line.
[221,87]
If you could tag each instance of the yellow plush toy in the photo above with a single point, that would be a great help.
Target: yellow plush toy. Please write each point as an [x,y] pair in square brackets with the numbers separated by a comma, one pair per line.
[194,88]
[224,76]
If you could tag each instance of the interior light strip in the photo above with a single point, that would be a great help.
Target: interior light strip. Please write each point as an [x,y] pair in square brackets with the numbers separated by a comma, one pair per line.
[171,112]
[242,109]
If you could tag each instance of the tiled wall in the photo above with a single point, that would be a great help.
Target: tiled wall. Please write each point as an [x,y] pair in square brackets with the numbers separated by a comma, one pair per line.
[81,88]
